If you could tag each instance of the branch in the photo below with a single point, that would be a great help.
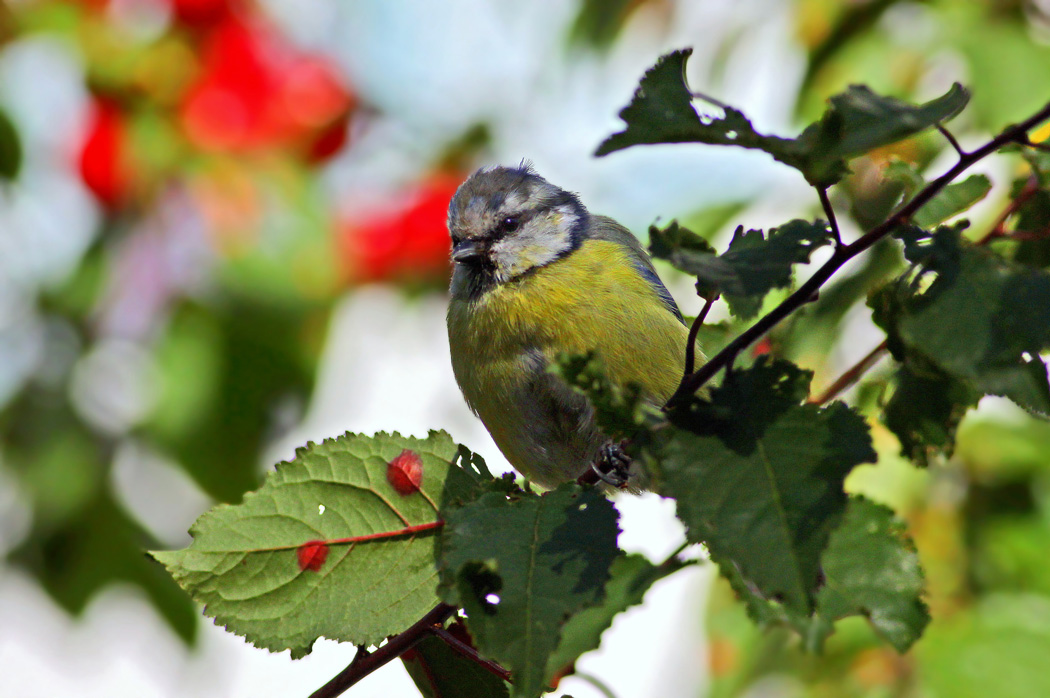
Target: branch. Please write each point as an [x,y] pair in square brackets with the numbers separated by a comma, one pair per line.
[822,192]
[851,375]
[999,227]
[366,662]
[1018,133]
[469,652]
[951,139]
[690,347]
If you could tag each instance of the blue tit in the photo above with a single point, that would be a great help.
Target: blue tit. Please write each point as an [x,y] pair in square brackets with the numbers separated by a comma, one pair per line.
[535,274]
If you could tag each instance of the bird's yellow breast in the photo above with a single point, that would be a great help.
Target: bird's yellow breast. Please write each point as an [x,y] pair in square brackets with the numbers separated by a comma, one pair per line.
[592,299]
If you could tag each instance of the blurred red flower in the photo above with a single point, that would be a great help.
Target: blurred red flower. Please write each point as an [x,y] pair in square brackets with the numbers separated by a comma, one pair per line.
[101,160]
[406,242]
[200,13]
[257,91]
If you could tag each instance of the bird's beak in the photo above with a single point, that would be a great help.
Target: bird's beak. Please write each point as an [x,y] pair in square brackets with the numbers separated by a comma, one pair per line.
[467,251]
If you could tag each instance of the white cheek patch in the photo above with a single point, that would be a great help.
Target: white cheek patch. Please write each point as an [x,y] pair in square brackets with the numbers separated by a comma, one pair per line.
[540,242]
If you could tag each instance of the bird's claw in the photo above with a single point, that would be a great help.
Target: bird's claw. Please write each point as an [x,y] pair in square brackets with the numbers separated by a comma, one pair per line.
[612,466]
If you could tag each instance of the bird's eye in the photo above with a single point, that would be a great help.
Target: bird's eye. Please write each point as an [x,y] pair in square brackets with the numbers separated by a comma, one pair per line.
[508,224]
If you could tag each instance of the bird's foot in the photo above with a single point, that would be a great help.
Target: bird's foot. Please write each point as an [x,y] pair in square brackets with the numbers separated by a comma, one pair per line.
[612,465]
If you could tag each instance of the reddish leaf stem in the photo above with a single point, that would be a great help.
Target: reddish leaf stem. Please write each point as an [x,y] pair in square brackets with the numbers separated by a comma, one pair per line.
[469,652]
[406,531]
[851,375]
[1017,133]
[365,663]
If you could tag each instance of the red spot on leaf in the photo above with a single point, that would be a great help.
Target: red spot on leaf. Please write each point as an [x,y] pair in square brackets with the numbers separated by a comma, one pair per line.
[764,346]
[312,555]
[405,473]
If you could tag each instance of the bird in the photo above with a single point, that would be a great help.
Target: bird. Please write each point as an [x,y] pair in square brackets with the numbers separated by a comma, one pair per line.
[536,274]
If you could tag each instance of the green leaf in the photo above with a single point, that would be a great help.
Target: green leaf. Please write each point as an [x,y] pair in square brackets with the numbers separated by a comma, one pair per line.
[952,200]
[661,111]
[244,565]
[10,148]
[440,672]
[925,409]
[856,122]
[629,578]
[859,121]
[753,265]
[684,249]
[521,566]
[871,569]
[956,289]
[758,477]
[619,411]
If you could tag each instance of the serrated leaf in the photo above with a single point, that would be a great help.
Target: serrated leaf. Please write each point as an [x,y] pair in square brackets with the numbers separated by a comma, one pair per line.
[629,578]
[754,264]
[758,477]
[959,290]
[684,249]
[10,148]
[925,409]
[661,111]
[440,672]
[244,563]
[521,566]
[856,122]
[870,569]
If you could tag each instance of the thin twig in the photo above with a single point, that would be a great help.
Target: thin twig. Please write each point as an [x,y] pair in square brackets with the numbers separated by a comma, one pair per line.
[690,346]
[365,663]
[822,192]
[1017,133]
[951,139]
[469,652]
[851,375]
[998,228]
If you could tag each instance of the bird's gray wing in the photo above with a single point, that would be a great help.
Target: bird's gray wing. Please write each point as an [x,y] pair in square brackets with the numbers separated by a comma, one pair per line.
[605,228]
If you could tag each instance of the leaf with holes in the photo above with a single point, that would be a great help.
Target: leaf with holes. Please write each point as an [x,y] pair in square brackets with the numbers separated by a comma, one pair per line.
[521,565]
[925,409]
[630,577]
[312,553]
[758,477]
[956,289]
[857,121]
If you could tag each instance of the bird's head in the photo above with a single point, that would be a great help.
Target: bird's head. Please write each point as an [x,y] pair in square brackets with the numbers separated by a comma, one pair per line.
[506,221]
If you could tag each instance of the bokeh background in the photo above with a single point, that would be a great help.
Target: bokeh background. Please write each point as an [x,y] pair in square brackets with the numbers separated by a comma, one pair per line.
[222,235]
